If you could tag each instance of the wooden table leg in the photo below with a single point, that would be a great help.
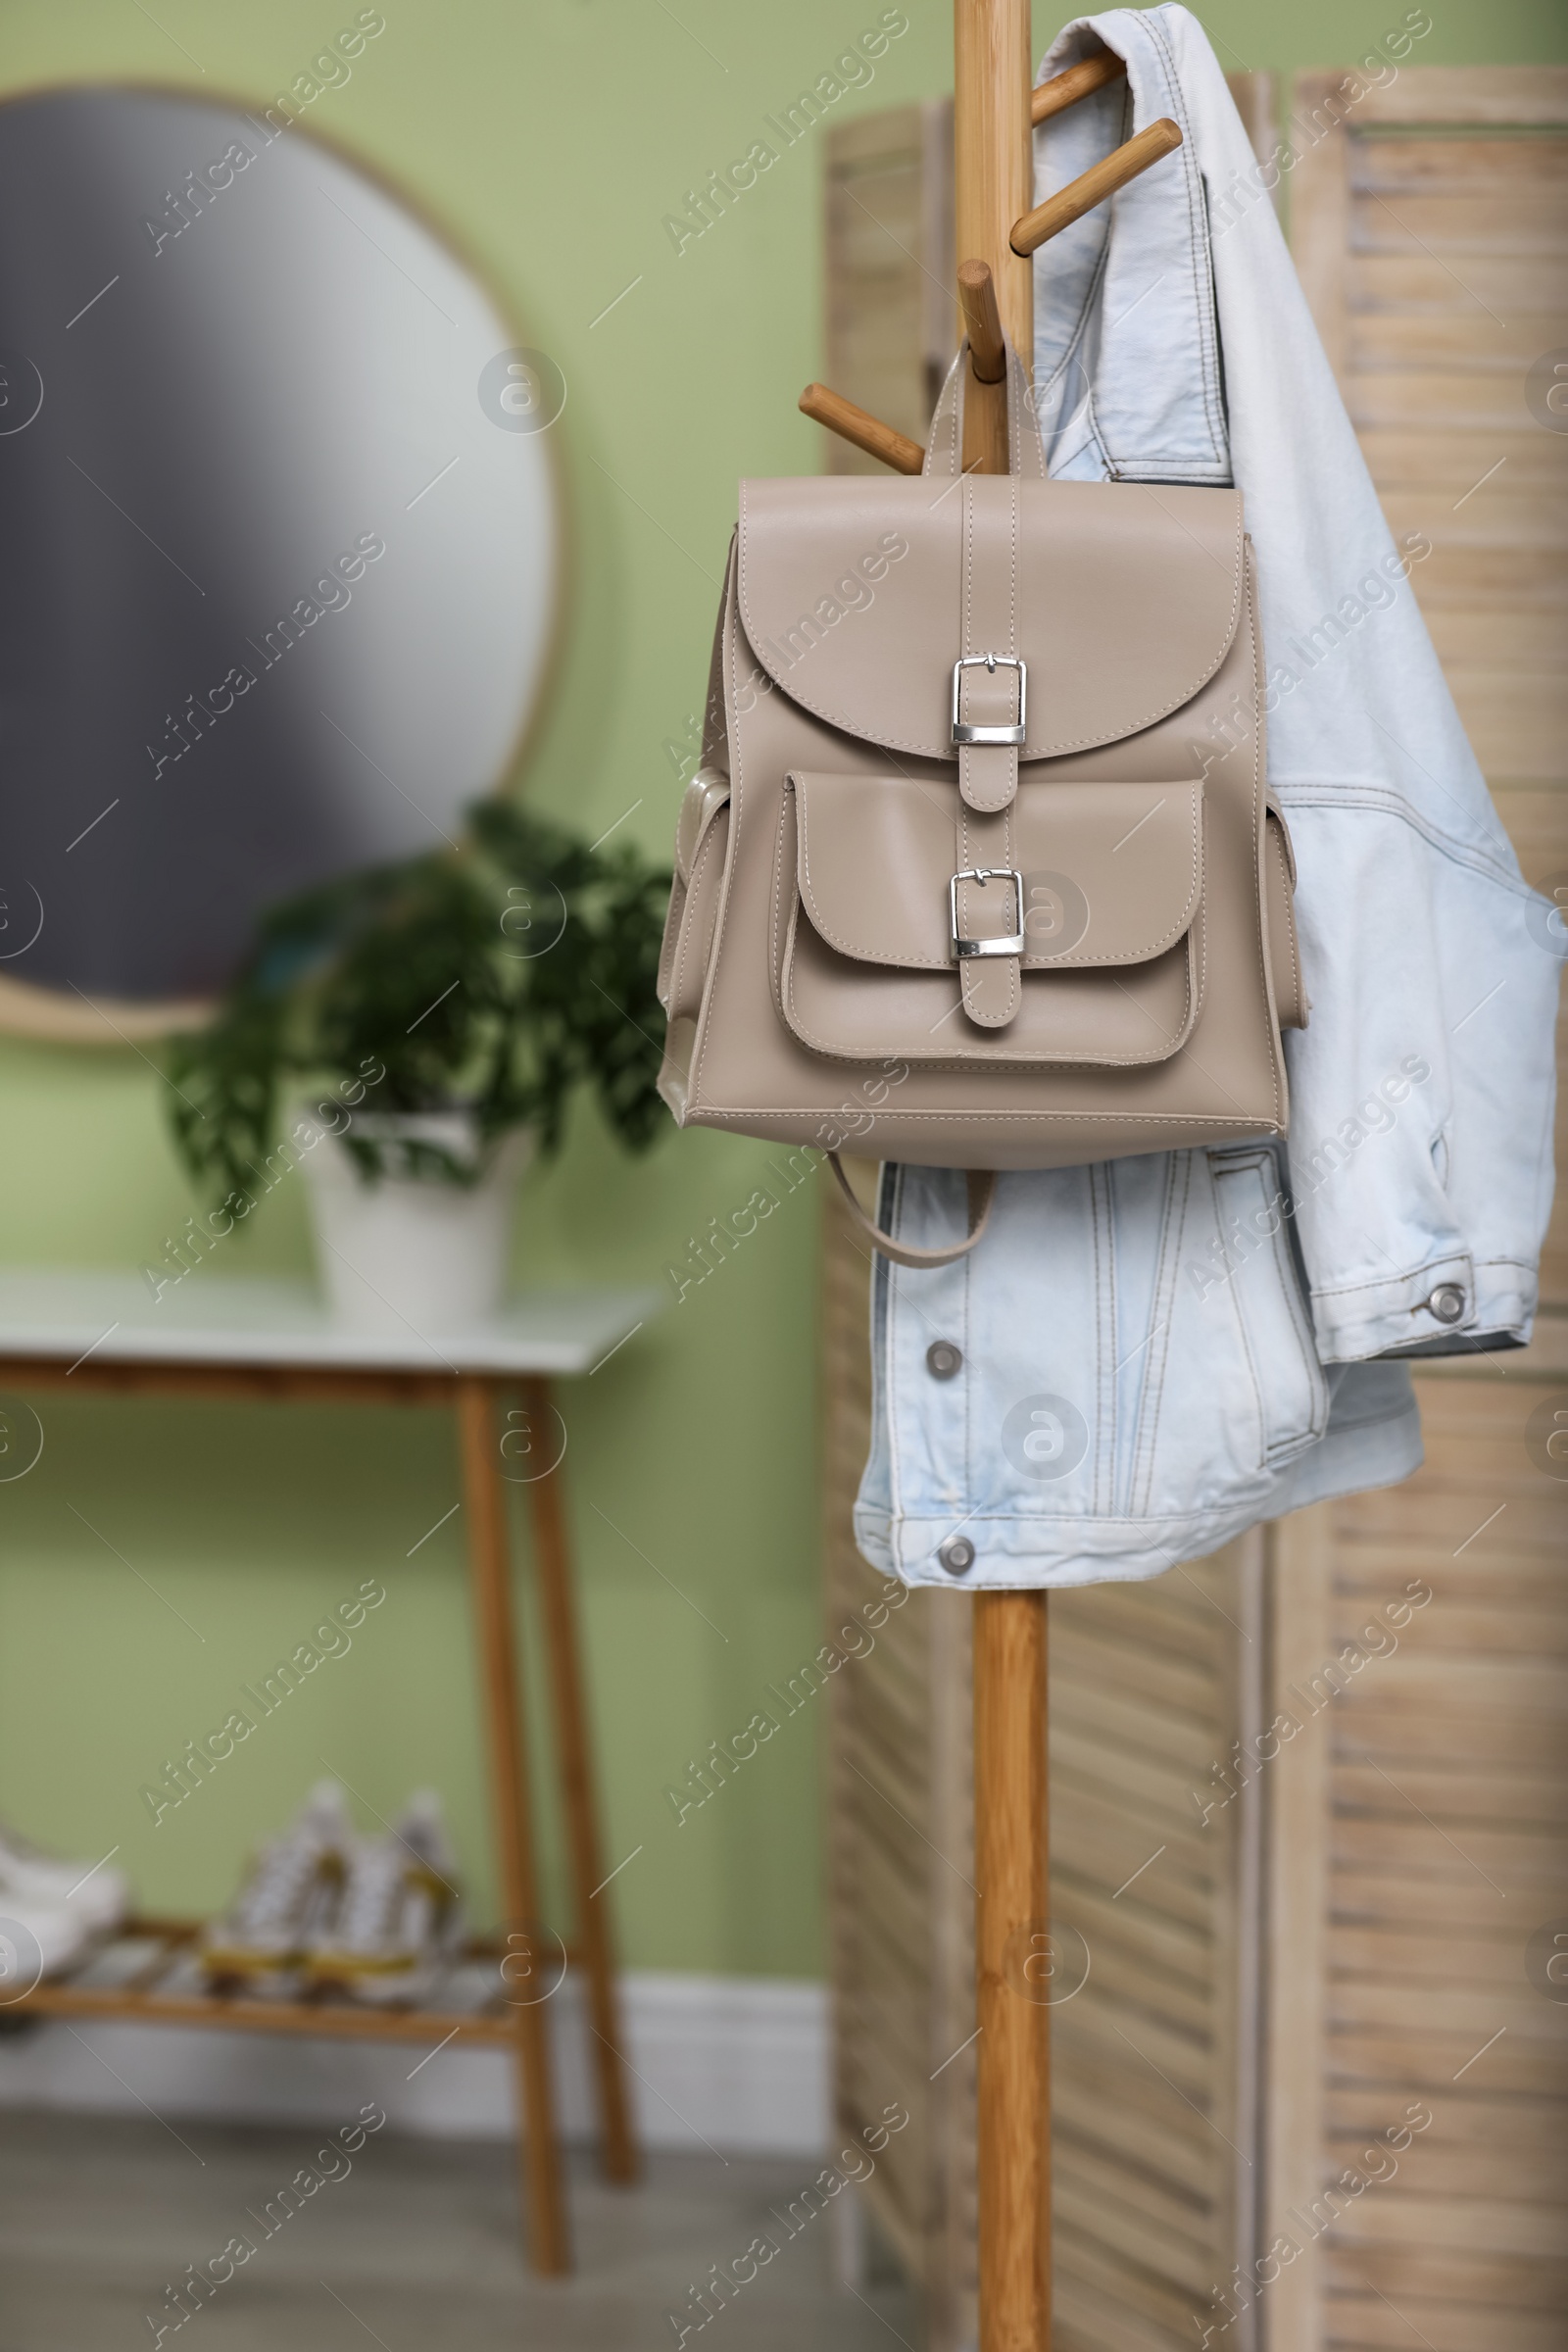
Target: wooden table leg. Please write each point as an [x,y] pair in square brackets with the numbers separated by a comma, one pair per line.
[619,2154]
[484,1497]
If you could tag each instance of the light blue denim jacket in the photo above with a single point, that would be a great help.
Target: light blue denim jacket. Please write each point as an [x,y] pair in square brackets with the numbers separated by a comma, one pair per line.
[1146,1356]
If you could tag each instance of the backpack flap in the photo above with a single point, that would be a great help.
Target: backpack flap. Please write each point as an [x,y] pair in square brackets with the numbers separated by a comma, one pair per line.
[854,596]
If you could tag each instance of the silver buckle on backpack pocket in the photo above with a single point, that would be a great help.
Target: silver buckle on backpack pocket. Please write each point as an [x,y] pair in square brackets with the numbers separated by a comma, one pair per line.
[963,733]
[1012,943]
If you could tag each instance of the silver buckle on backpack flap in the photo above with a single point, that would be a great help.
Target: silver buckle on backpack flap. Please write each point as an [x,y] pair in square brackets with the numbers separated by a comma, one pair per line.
[1011,943]
[963,733]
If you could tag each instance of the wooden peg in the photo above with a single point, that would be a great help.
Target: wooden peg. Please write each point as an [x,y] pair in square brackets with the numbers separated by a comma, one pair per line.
[982,323]
[1054,97]
[1101,180]
[867,431]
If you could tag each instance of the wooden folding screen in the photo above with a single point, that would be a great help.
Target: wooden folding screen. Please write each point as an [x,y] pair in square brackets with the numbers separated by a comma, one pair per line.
[1423,1838]
[1349,1938]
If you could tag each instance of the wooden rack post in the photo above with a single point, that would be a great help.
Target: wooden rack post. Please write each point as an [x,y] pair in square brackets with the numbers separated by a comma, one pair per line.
[993,184]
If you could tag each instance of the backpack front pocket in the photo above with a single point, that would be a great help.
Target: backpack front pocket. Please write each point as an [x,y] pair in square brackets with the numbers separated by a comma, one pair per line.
[1096,914]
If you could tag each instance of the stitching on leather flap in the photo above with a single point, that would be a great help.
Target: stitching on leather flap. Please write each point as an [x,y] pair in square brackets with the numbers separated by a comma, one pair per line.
[866,505]
[840,888]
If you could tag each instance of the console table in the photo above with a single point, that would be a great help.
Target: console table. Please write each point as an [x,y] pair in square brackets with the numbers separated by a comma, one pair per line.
[263,1340]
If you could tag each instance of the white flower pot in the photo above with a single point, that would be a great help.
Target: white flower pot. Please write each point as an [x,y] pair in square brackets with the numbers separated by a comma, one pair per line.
[410,1255]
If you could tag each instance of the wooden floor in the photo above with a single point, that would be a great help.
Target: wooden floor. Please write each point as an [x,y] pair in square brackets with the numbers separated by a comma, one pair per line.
[416,2246]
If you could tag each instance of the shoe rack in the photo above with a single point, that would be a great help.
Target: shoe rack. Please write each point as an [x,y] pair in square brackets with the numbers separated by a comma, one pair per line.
[497,1994]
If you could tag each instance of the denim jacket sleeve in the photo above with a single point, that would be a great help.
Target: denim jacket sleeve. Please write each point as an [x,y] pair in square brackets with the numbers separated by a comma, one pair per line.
[1422,1092]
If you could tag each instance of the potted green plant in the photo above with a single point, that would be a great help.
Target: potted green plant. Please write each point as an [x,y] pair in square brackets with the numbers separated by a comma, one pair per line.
[407,1036]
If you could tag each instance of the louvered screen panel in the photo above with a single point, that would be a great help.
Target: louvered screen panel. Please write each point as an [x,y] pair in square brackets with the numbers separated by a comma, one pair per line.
[1153,2103]
[1427,1803]
[899,1848]
[889,275]
[1448,1847]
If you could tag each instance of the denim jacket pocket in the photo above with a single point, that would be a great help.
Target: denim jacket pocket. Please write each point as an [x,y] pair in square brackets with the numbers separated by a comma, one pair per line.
[1259,1266]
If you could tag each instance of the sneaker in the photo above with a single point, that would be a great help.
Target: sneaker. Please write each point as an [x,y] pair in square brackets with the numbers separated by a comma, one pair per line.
[398,1923]
[95,1894]
[291,1894]
[38,1939]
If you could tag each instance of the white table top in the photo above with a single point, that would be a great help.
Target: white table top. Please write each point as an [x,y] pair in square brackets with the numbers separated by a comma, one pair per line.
[67,1313]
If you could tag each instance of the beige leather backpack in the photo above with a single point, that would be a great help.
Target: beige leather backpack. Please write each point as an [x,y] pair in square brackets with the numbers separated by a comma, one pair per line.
[980,868]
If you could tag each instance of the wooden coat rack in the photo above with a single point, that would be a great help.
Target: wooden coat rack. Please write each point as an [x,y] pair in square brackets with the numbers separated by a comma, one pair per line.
[994,113]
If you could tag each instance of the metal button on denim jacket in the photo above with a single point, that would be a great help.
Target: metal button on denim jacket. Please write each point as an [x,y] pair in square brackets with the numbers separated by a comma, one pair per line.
[1138,1380]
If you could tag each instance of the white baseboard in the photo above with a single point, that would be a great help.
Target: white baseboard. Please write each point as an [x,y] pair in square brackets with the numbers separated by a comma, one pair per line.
[738,2062]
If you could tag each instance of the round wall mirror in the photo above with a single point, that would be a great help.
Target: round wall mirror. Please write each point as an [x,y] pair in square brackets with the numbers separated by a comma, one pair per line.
[282,543]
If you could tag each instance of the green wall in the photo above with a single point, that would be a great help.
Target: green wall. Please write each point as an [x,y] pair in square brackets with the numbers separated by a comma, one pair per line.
[552,139]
